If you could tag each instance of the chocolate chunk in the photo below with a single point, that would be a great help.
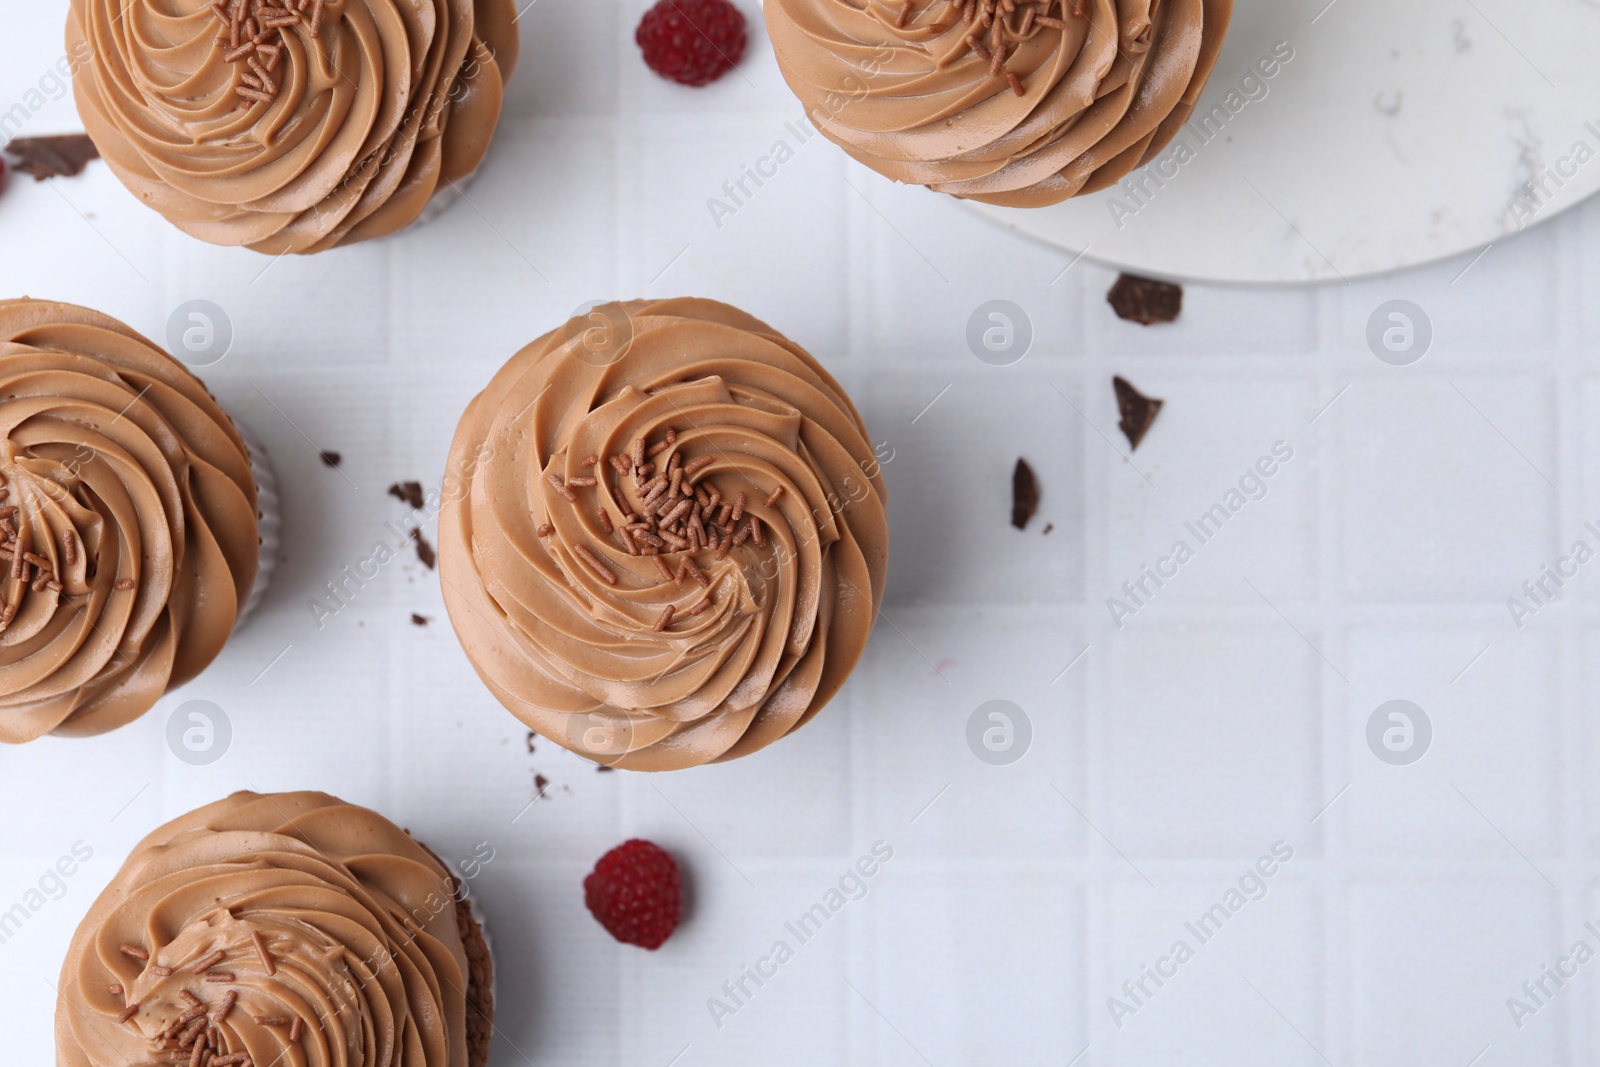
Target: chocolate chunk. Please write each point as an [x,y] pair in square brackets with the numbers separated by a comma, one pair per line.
[331,459]
[1138,411]
[419,620]
[52,157]
[407,493]
[1024,494]
[425,551]
[1145,300]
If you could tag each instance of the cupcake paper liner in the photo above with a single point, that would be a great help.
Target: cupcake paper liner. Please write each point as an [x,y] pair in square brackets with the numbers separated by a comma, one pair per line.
[271,521]
[444,198]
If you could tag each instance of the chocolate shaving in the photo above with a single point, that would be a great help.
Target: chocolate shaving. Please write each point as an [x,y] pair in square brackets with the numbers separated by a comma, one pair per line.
[1024,495]
[1138,411]
[425,550]
[1145,300]
[409,493]
[62,156]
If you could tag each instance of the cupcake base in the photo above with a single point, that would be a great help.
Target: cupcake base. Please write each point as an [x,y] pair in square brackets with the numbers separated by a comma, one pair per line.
[480,967]
[480,981]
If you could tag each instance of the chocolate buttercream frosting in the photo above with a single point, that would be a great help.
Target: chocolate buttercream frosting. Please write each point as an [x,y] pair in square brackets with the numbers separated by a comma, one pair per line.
[128,492]
[1016,103]
[664,537]
[291,125]
[287,928]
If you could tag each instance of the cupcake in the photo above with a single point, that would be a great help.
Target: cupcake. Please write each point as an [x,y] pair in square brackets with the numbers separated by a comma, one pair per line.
[664,539]
[129,523]
[286,928]
[1016,103]
[296,127]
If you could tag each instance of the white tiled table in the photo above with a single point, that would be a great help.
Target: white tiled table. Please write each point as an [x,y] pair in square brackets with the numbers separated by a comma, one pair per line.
[1221,719]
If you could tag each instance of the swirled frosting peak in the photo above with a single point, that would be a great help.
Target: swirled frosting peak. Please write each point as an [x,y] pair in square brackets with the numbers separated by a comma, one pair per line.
[291,125]
[128,527]
[669,540]
[288,929]
[1015,102]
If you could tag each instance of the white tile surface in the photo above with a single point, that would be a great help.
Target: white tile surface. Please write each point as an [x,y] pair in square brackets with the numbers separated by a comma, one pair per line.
[1227,714]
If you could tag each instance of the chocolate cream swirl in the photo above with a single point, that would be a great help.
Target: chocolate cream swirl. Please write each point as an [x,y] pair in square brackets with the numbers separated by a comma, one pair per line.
[295,127]
[129,492]
[599,561]
[1021,104]
[329,937]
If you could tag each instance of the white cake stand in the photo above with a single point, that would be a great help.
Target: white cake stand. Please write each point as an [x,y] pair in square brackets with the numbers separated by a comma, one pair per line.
[1401,131]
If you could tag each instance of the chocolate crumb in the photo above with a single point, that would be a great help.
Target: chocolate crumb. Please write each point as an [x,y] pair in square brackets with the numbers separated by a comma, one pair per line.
[331,459]
[1024,494]
[62,156]
[409,493]
[603,769]
[419,620]
[425,551]
[1048,527]
[1145,300]
[531,737]
[1138,411]
[541,785]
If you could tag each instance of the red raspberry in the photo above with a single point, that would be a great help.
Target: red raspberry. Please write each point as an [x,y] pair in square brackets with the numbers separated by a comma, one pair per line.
[636,894]
[694,42]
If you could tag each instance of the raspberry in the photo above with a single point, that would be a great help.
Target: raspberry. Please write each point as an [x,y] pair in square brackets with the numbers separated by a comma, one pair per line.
[636,894]
[693,42]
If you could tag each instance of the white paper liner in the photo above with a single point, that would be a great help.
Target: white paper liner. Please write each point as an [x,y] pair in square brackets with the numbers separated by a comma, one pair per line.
[270,520]
[444,198]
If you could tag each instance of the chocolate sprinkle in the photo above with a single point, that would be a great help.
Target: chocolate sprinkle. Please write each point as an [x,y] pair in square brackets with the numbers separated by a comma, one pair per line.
[1024,494]
[1138,411]
[62,156]
[331,459]
[1145,300]
[409,493]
